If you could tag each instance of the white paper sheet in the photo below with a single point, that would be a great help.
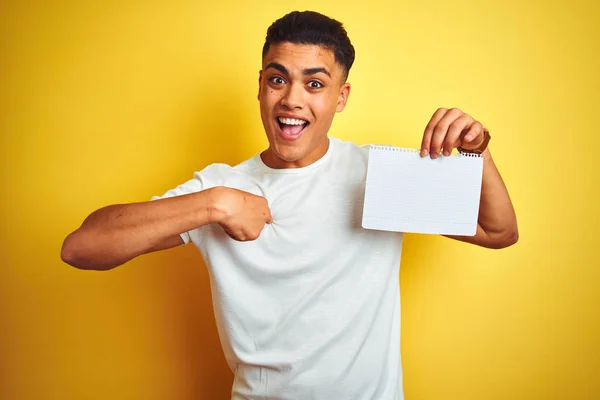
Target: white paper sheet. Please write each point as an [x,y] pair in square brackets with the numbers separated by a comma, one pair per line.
[407,193]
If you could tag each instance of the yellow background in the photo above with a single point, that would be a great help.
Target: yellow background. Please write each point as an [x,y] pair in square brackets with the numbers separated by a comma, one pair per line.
[116,101]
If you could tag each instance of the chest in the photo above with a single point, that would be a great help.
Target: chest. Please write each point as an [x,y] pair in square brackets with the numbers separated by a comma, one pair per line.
[316,203]
[313,218]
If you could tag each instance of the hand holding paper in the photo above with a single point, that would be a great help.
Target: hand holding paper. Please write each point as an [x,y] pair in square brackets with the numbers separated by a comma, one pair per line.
[451,128]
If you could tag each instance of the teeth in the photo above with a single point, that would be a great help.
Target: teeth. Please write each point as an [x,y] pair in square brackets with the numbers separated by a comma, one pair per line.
[291,121]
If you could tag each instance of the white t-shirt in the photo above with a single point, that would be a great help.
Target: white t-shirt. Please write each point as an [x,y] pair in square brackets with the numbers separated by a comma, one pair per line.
[311,309]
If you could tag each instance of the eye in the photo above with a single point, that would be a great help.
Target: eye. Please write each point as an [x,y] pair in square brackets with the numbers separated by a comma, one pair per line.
[315,85]
[277,80]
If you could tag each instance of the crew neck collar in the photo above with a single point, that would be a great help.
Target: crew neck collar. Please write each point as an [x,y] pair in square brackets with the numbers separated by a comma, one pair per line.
[299,170]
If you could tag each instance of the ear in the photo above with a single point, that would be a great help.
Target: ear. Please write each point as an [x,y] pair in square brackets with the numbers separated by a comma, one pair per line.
[343,97]
[259,81]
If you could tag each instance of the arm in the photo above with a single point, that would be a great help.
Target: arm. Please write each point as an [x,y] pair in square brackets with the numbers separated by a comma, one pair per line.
[116,234]
[497,222]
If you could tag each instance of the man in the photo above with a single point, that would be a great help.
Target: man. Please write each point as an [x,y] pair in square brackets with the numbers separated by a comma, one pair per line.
[307,302]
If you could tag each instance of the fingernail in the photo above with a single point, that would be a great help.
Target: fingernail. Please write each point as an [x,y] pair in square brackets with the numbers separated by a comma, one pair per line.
[469,137]
[424,153]
[446,153]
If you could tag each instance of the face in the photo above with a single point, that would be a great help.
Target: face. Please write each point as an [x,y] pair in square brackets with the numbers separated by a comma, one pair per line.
[301,88]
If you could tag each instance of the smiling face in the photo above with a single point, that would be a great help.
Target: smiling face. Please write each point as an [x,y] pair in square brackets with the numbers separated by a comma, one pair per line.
[301,87]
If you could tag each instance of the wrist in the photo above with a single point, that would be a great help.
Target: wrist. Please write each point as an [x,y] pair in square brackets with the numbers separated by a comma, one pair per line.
[216,209]
[481,148]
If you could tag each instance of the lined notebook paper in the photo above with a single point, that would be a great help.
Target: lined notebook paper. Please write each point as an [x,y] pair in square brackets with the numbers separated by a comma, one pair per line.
[407,193]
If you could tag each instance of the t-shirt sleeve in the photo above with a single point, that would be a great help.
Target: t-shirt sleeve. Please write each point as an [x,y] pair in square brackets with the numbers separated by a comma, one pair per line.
[202,180]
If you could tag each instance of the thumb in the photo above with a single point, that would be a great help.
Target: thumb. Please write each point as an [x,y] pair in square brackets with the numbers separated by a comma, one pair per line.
[268,217]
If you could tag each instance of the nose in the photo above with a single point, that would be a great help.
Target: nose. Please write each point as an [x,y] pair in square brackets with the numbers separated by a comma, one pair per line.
[293,97]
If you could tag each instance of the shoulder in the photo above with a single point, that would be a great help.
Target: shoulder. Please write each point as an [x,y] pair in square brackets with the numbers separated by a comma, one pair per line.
[210,176]
[214,174]
[245,176]
[348,162]
[248,166]
[345,148]
[220,174]
[350,154]
[223,170]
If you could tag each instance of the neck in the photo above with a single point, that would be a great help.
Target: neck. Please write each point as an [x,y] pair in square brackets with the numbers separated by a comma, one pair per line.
[272,159]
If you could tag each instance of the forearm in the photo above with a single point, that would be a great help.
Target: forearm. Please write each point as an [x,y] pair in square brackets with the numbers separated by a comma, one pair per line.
[497,222]
[116,234]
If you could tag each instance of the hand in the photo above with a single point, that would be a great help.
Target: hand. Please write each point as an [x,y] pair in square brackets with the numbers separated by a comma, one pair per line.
[242,215]
[449,129]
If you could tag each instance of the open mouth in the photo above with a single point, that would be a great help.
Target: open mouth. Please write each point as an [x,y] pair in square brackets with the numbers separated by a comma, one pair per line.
[291,128]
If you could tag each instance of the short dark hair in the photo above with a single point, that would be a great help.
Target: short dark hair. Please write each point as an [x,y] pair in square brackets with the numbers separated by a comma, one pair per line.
[309,27]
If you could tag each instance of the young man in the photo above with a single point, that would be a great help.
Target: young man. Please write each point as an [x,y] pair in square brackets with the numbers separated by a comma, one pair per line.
[307,302]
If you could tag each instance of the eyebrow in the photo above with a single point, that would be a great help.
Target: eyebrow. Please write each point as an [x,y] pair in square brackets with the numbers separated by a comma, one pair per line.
[313,71]
[306,71]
